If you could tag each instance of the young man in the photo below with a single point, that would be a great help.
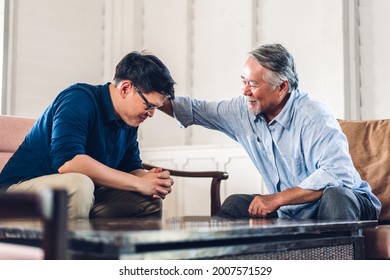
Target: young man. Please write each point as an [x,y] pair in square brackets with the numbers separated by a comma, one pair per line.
[293,140]
[86,142]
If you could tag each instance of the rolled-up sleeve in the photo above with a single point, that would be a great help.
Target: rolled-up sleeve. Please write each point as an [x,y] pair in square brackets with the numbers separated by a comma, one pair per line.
[318,180]
[328,158]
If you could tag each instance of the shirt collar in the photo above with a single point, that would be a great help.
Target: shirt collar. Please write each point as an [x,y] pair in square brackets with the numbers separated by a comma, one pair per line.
[108,107]
[285,116]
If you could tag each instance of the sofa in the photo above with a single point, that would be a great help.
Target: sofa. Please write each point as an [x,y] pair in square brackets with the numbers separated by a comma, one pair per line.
[369,144]
[12,132]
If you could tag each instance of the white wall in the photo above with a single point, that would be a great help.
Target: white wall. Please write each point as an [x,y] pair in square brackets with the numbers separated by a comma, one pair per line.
[313,32]
[209,47]
[55,43]
[375,58]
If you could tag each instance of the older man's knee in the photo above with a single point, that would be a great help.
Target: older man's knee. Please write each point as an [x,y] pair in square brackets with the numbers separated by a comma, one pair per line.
[338,203]
[236,206]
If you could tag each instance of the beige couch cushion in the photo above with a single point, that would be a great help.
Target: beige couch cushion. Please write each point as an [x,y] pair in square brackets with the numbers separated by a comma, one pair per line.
[369,145]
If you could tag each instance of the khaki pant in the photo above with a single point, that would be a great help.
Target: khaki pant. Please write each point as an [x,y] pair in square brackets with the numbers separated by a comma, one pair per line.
[86,200]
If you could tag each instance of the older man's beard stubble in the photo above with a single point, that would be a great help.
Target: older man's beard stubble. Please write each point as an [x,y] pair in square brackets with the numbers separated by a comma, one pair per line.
[253,106]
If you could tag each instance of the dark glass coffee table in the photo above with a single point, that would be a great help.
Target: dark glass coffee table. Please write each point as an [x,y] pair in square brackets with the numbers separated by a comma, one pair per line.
[205,238]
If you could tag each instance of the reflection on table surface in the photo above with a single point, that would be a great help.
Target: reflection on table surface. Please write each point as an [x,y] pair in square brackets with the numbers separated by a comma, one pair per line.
[178,237]
[190,224]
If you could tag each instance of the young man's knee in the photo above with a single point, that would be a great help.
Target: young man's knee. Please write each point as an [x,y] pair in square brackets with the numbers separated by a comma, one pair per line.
[78,183]
[80,190]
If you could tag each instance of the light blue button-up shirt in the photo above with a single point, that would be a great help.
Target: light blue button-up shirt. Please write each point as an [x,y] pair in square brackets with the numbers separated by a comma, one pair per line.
[303,146]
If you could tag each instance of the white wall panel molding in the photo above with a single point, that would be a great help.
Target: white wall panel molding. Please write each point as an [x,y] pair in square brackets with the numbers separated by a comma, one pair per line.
[7,57]
[189,63]
[352,92]
[191,196]
[123,32]
[374,42]
[255,23]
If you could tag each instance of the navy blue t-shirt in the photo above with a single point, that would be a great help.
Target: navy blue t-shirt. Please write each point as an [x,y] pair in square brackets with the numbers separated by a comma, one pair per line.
[81,120]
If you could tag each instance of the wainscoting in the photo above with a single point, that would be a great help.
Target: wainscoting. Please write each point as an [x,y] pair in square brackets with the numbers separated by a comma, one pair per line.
[191,196]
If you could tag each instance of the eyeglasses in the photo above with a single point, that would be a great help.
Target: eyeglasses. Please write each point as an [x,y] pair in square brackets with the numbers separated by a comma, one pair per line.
[149,106]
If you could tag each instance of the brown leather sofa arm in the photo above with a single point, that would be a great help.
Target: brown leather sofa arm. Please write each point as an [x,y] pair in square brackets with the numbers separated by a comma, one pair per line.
[217,177]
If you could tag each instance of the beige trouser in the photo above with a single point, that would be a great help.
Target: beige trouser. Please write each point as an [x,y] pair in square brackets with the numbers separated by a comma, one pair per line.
[87,201]
[80,190]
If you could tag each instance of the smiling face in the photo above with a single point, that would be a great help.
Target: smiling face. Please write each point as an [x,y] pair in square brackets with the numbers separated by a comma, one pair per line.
[133,106]
[262,97]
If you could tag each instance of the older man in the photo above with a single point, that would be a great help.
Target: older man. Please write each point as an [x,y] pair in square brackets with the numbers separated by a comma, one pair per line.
[293,140]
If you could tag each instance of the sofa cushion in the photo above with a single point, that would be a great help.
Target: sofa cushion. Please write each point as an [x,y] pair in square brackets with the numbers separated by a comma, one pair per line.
[12,133]
[4,157]
[369,146]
